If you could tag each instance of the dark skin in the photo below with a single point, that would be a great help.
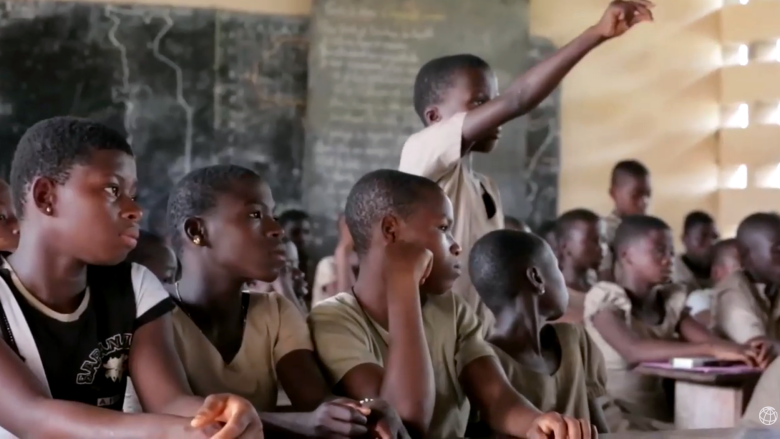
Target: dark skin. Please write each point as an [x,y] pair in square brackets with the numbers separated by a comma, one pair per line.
[299,232]
[395,277]
[475,91]
[698,241]
[346,261]
[646,263]
[92,218]
[159,259]
[581,251]
[631,194]
[521,328]
[9,225]
[228,246]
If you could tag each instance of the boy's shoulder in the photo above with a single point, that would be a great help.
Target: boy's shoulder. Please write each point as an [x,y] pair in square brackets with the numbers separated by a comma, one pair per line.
[343,307]
[736,281]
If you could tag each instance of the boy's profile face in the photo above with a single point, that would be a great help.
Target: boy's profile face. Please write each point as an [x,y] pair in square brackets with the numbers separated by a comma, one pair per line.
[631,195]
[9,226]
[763,257]
[727,263]
[699,242]
[584,244]
[162,262]
[299,232]
[242,234]
[555,299]
[650,257]
[470,88]
[292,273]
[431,226]
[94,216]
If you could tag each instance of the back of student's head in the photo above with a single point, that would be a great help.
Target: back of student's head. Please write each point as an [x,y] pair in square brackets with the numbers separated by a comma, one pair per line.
[630,187]
[52,147]
[758,237]
[506,263]
[153,253]
[635,228]
[725,259]
[437,76]
[578,238]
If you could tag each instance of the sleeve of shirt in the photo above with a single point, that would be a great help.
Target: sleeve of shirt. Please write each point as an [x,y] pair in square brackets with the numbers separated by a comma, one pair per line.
[293,333]
[734,316]
[595,367]
[610,297]
[340,340]
[435,150]
[764,396]
[151,299]
[470,341]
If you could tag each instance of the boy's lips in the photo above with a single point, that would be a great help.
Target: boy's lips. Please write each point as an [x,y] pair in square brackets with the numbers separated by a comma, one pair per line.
[130,237]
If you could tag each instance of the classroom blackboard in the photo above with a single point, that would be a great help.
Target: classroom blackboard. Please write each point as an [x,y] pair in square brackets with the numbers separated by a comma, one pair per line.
[188,87]
[363,60]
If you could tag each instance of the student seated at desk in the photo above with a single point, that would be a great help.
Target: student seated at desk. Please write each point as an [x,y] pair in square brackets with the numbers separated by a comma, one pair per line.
[725,261]
[9,225]
[641,317]
[291,282]
[337,272]
[78,320]
[747,303]
[579,235]
[223,229]
[693,268]
[402,335]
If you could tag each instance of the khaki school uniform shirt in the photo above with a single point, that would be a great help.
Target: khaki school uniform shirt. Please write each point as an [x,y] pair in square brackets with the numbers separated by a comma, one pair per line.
[742,310]
[766,394]
[434,153]
[345,337]
[274,328]
[611,223]
[580,377]
[637,394]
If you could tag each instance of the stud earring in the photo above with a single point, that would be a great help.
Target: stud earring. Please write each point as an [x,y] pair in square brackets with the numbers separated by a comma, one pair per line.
[196,240]
[48,210]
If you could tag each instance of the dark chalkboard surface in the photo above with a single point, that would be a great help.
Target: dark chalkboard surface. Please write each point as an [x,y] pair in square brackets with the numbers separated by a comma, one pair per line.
[364,57]
[188,87]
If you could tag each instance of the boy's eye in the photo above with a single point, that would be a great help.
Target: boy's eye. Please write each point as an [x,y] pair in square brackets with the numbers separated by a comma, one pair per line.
[3,217]
[113,190]
[256,215]
[444,228]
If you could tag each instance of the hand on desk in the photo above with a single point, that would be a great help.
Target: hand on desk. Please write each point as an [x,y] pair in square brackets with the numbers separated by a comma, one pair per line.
[766,351]
[556,426]
[228,416]
[728,351]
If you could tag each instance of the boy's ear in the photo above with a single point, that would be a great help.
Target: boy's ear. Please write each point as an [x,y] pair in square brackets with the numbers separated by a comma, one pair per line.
[431,115]
[390,228]
[195,231]
[535,279]
[44,194]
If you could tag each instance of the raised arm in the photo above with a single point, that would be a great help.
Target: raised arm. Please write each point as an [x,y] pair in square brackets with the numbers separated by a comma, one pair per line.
[533,86]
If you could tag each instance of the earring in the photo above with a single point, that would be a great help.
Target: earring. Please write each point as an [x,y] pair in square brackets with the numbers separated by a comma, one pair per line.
[196,240]
[48,210]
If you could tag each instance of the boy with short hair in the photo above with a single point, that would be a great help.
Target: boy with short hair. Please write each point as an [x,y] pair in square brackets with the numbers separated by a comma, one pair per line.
[693,268]
[401,335]
[579,235]
[155,254]
[725,261]
[77,325]
[630,190]
[747,304]
[457,99]
[9,226]
[297,227]
[555,365]
[336,273]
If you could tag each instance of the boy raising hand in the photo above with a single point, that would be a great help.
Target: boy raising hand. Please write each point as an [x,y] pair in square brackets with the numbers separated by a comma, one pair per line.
[457,99]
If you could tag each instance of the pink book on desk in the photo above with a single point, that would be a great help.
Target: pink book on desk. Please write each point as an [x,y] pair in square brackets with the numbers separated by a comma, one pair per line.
[705,369]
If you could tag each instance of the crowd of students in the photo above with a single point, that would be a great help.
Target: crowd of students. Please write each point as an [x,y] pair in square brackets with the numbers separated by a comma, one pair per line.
[436,316]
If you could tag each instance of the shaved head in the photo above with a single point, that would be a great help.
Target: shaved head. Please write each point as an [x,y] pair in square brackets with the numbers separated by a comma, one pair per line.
[758,242]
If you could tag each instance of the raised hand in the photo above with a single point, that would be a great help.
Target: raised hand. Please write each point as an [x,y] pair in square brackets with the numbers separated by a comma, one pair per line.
[239,417]
[622,15]
[556,426]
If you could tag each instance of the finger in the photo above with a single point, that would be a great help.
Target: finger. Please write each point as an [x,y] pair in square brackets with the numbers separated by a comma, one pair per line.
[363,409]
[573,428]
[559,427]
[346,428]
[585,428]
[346,413]
[235,427]
[212,408]
[594,433]
[255,431]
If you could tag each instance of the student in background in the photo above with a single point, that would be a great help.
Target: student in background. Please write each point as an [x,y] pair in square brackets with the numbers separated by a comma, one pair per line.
[458,101]
[747,303]
[630,191]
[297,228]
[725,262]
[437,361]
[642,318]
[71,311]
[556,366]
[336,274]
[153,253]
[9,226]
[547,232]
[513,223]
[290,283]
[578,234]
[222,226]
[693,268]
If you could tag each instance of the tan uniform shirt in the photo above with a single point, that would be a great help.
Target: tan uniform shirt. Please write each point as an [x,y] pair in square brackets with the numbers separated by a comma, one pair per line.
[434,153]
[766,394]
[611,223]
[742,310]
[346,337]
[638,394]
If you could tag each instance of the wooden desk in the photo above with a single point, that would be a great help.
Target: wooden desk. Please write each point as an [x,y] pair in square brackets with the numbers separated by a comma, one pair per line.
[707,400]
[729,433]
